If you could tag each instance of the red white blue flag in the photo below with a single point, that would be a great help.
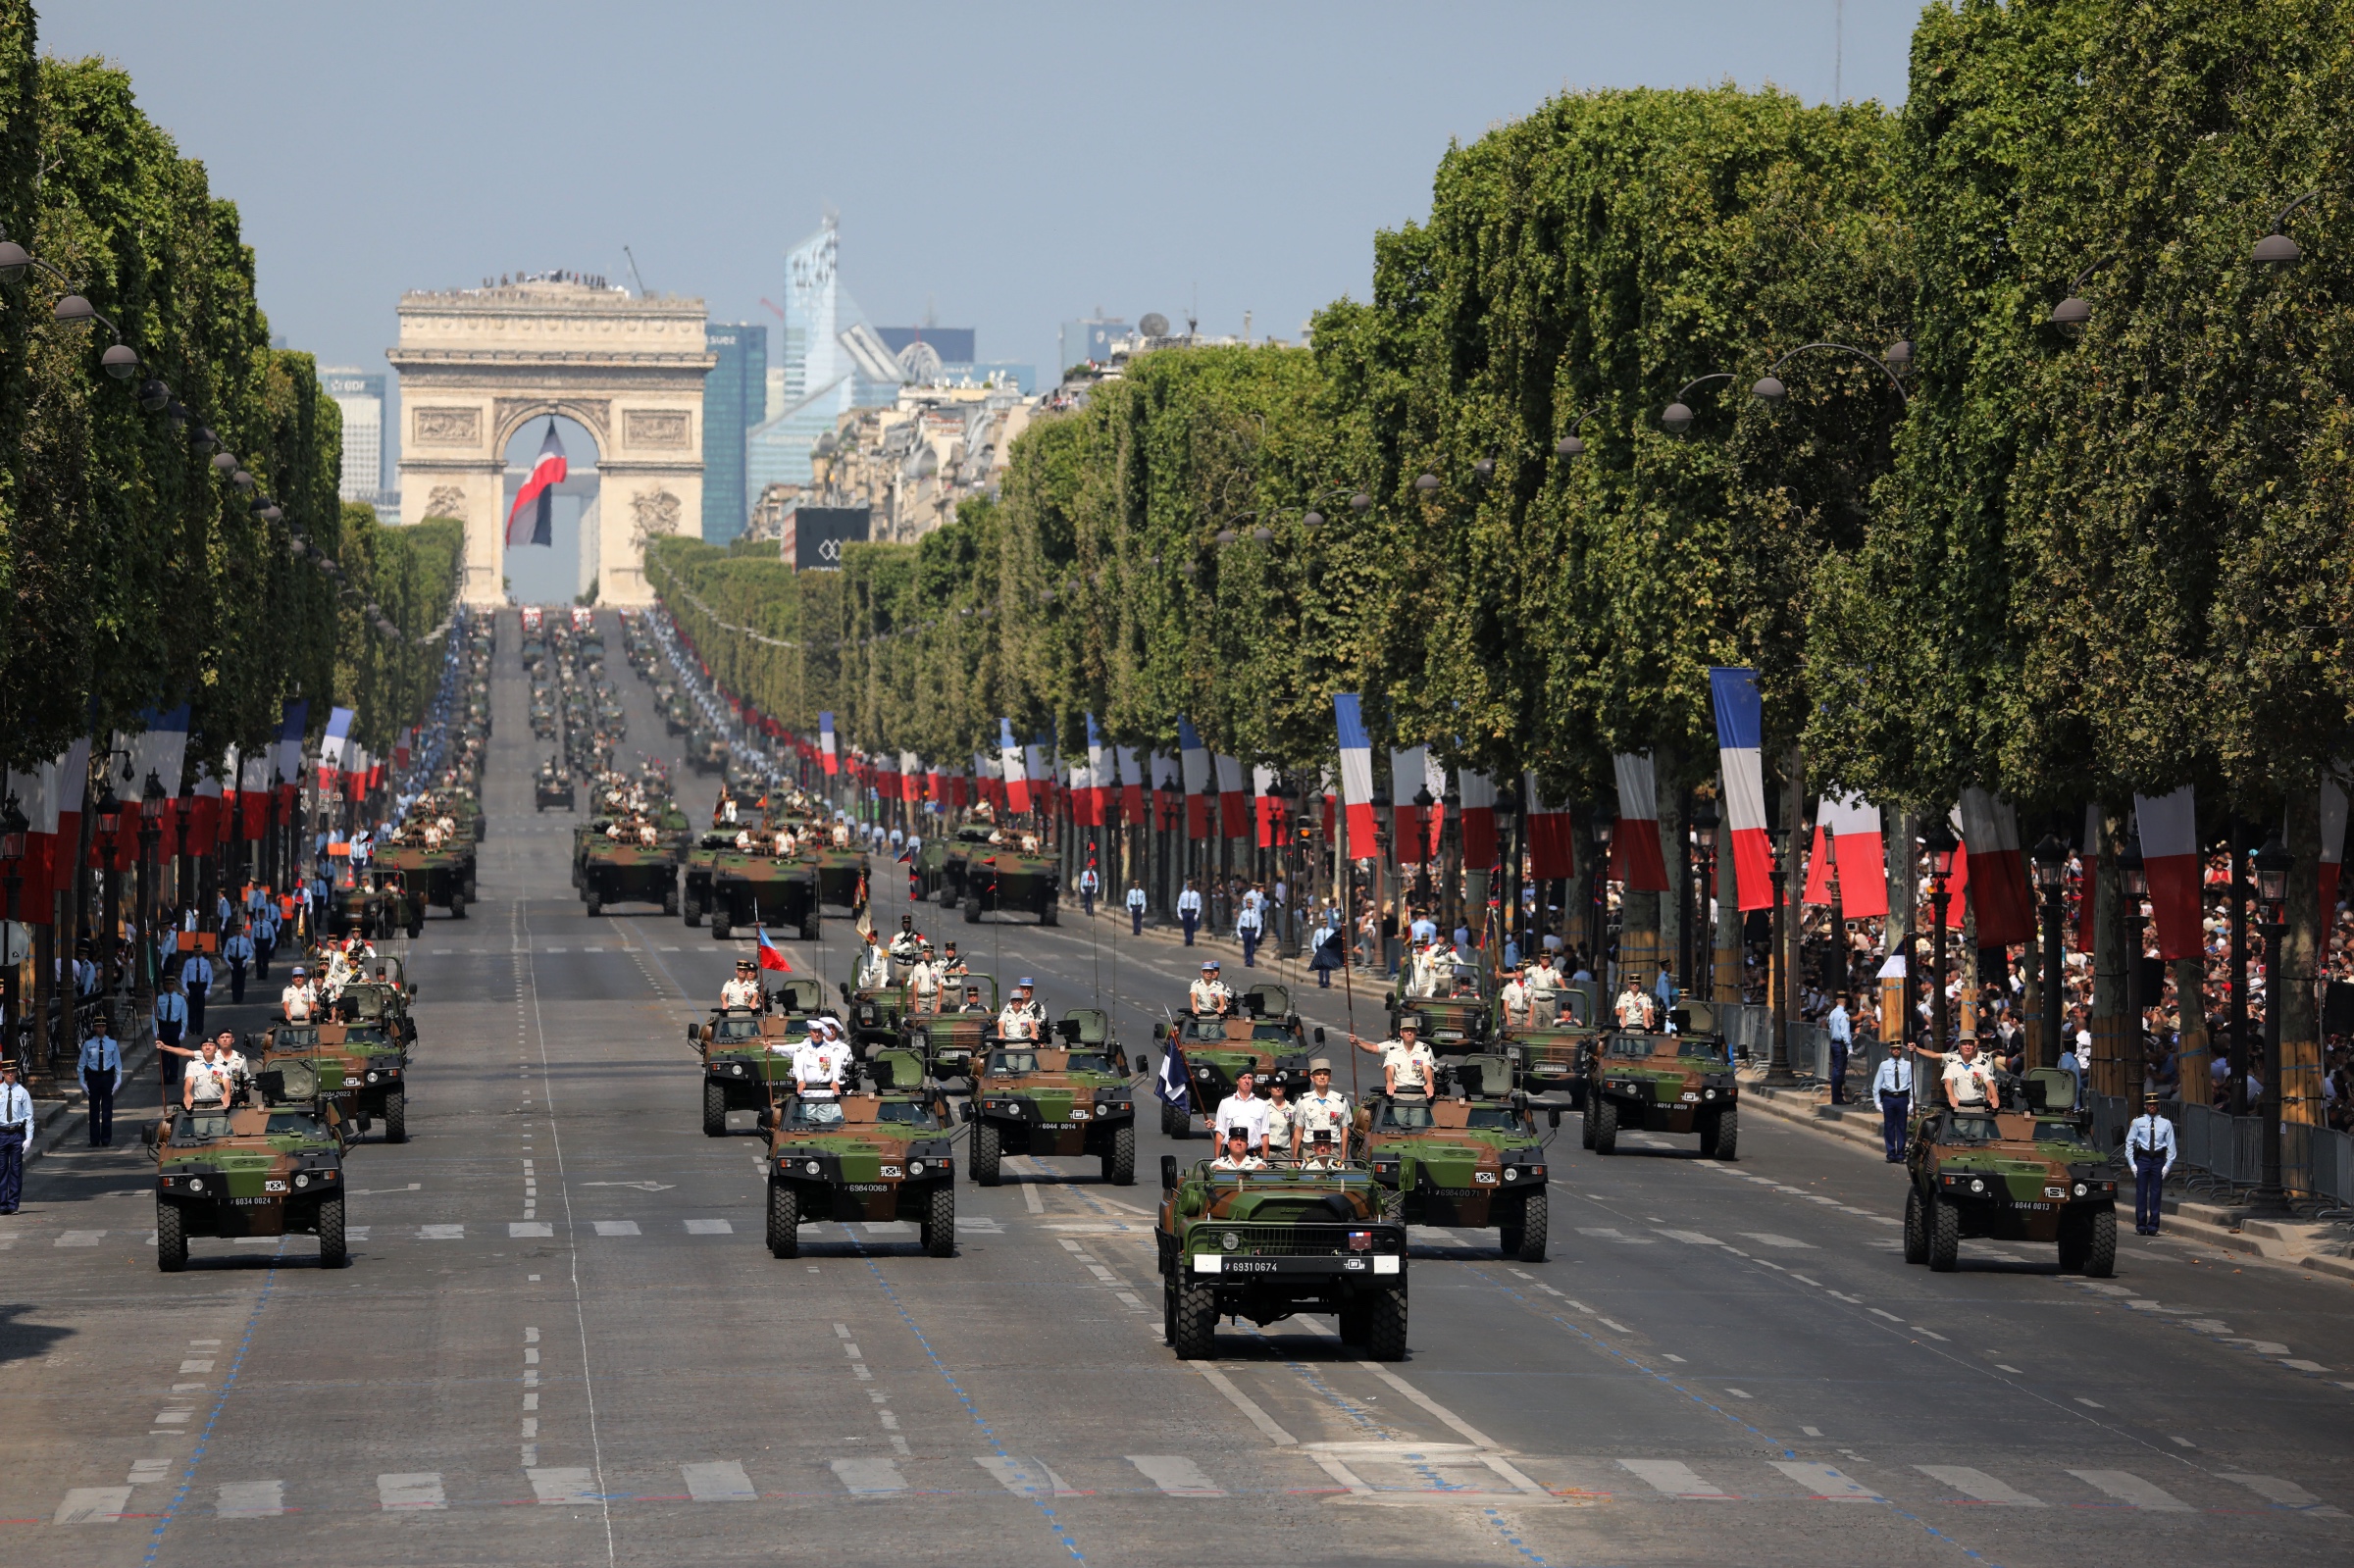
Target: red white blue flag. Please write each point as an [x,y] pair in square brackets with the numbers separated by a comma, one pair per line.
[538,494]
[1740,741]
[770,956]
[1635,855]
[1356,773]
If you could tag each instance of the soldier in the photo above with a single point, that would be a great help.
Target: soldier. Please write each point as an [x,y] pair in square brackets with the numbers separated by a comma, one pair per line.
[1022,1018]
[925,982]
[1407,1064]
[238,952]
[1189,910]
[1250,925]
[1545,987]
[1089,885]
[1969,1081]
[1243,1112]
[817,1062]
[952,966]
[873,968]
[1208,996]
[906,948]
[1136,909]
[1634,1007]
[1236,1155]
[1282,1123]
[973,1002]
[298,1002]
[15,1131]
[1322,1110]
[745,989]
[1519,1004]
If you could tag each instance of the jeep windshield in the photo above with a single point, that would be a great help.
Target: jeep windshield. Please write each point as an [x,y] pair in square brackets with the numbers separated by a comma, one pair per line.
[815,1113]
[1970,1128]
[2061,1133]
[1010,1063]
[1089,1062]
[1630,1047]
[736,1029]
[296,1124]
[907,1113]
[1699,1047]
[1496,1117]
[1406,1115]
[200,1127]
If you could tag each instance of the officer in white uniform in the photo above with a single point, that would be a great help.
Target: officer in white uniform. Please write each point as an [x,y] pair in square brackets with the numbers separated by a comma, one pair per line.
[818,1061]
[745,989]
[1022,1018]
[1244,1110]
[1283,1123]
[1519,1003]
[297,1002]
[1406,1065]
[1208,996]
[1136,909]
[1236,1155]
[1322,1109]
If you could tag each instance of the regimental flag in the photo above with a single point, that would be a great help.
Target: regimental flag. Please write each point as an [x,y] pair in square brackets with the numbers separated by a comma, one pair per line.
[1998,871]
[770,956]
[1356,775]
[1551,844]
[537,500]
[1195,760]
[2169,862]
[1476,792]
[1016,765]
[2333,838]
[1847,833]
[829,748]
[1635,856]
[1740,740]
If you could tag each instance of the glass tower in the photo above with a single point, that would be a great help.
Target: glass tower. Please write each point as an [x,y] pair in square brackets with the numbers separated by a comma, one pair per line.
[735,397]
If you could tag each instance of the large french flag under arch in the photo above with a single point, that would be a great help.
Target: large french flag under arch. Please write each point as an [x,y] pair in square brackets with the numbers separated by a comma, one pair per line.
[538,494]
[1740,740]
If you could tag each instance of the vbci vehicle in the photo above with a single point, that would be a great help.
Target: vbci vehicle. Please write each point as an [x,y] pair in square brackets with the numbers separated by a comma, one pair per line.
[270,1163]
[1073,1096]
[874,1156]
[1003,883]
[1665,1083]
[2027,1175]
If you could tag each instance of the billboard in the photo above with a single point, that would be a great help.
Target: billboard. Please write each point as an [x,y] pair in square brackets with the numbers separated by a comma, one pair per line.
[815,535]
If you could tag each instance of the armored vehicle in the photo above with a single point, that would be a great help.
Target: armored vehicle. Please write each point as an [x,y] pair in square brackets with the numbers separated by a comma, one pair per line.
[940,864]
[1269,1244]
[2030,1174]
[1073,1097]
[270,1163]
[382,1004]
[445,876]
[1551,1056]
[377,903]
[748,887]
[747,1060]
[553,788]
[1218,1051]
[362,1068]
[1680,1082]
[1003,883]
[1472,1163]
[615,871]
[952,1041]
[874,1156]
[695,868]
[706,751]
[840,877]
[1454,1023]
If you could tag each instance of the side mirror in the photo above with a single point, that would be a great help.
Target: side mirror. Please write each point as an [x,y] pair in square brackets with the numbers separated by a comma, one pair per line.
[965,1111]
[1319,1033]
[1161,1032]
[1144,1064]
[153,1135]
[695,1033]
[1169,1173]
[1389,999]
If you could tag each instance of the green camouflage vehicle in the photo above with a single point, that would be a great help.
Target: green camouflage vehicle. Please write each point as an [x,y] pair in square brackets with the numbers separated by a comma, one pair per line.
[377,903]
[748,1057]
[952,1042]
[696,867]
[1663,1083]
[871,1157]
[1472,1163]
[840,877]
[1269,1244]
[445,875]
[1219,1050]
[1072,1098]
[940,864]
[707,750]
[1003,883]
[552,788]
[269,1164]
[770,891]
[1451,1024]
[362,1069]
[1551,1057]
[2027,1175]
[614,871]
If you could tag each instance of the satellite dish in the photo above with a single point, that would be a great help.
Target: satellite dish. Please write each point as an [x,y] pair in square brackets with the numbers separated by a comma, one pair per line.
[1155,325]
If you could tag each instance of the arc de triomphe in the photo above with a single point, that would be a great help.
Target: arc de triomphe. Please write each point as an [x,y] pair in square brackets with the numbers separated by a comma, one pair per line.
[478,364]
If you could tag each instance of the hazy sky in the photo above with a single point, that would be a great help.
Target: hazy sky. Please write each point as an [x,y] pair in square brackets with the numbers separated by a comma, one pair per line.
[1014,165]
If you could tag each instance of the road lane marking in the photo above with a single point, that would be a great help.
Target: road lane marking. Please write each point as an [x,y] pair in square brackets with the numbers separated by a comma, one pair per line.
[91,1505]
[410,1492]
[710,1227]
[1979,1487]
[250,1499]
[1249,1407]
[1176,1476]
[559,1487]
[1787,1242]
[2130,1488]
[2282,1494]
[1826,1483]
[1672,1476]
[718,1480]
[616,1226]
[869,1478]
[1025,1478]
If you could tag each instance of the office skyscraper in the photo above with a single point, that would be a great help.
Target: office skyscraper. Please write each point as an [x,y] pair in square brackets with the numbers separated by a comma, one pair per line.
[361,396]
[734,399]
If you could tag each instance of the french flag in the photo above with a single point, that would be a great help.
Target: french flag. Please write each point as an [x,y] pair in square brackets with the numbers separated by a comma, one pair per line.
[1409,771]
[911,777]
[1847,831]
[1356,775]
[1195,760]
[1552,842]
[1635,857]
[1042,774]
[1131,786]
[2169,862]
[1998,871]
[538,494]
[770,956]
[1740,740]
[829,749]
[1477,793]
[2090,857]
[1234,806]
[295,719]
[1016,768]
[1101,759]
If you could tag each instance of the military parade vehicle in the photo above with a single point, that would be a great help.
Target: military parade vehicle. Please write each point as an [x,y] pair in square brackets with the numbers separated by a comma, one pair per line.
[382,1004]
[952,1041]
[442,872]
[1665,1083]
[1453,1022]
[376,901]
[841,876]
[1068,1095]
[1261,1037]
[1004,883]
[552,788]
[870,1156]
[1270,1244]
[615,870]
[2029,1174]
[270,1163]
[940,864]
[748,887]
[747,1060]
[361,1067]
[694,870]
[1473,1161]
[1552,1055]
[706,750]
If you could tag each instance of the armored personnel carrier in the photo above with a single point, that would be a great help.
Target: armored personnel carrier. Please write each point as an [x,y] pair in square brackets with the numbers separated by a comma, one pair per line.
[874,1156]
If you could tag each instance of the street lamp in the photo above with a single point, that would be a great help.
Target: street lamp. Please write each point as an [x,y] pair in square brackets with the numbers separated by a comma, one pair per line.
[153,803]
[2273,865]
[13,828]
[1941,843]
[1777,1063]
[1570,444]
[1676,416]
[1704,835]
[2051,879]
[1892,361]
[2136,883]
[1598,918]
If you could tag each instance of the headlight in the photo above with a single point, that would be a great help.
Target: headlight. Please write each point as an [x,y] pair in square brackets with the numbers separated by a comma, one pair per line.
[812,1167]
[195,1184]
[1977,1185]
[2080,1189]
[372,1075]
[915,1167]
[1230,1241]
[1200,1072]
[302,1179]
[1510,1175]
[1707,1094]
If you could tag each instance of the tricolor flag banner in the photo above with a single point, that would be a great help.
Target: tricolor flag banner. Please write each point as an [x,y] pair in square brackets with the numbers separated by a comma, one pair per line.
[1234,806]
[911,777]
[50,796]
[1998,871]
[331,744]
[2333,838]
[1957,886]
[1635,857]
[1015,767]
[537,500]
[829,748]
[204,814]
[1410,771]
[1740,739]
[253,793]
[1552,847]
[287,764]
[1262,784]
[1477,792]
[1040,768]
[1847,831]
[1195,759]
[1356,775]
[1169,794]
[1100,760]
[2169,862]
[1131,786]
[2090,857]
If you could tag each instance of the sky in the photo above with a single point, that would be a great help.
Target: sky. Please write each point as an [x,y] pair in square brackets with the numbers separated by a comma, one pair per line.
[1005,167]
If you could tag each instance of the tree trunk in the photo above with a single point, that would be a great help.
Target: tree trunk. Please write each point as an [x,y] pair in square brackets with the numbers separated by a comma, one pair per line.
[2300,1064]
[2111,1019]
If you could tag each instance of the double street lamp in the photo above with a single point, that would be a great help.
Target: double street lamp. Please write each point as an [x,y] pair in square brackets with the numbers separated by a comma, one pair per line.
[2051,879]
[2273,865]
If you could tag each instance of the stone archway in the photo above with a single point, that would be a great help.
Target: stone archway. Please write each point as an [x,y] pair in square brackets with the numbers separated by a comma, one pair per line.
[476,365]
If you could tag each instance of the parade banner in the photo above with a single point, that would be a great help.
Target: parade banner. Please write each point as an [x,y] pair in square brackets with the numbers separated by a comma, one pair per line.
[828,745]
[1409,774]
[1131,786]
[1195,757]
[1016,765]
[1356,773]
[2090,856]
[1552,830]
[1740,741]
[1268,807]
[2170,861]
[1998,871]
[1234,805]
[1635,857]
[1477,793]
[1847,833]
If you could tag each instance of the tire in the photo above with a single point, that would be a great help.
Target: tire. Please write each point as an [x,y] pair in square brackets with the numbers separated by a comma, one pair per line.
[2099,1261]
[1385,1325]
[988,1148]
[457,906]
[1606,1125]
[1049,916]
[938,1223]
[1945,1236]
[1195,1329]
[332,1253]
[715,1109]
[1119,1166]
[596,905]
[721,926]
[670,900]
[1173,1121]
[1916,1228]
[396,1116]
[809,930]
[1720,1140]
[784,1220]
[1585,1130]
[171,1239]
[416,928]
[691,912]
[972,911]
[1536,1214]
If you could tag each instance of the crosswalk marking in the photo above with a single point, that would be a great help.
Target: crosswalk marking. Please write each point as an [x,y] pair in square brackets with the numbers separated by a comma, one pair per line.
[2287,1493]
[251,1499]
[80,1239]
[720,1480]
[516,1228]
[2127,1488]
[870,1478]
[440,1232]
[410,1492]
[91,1505]
[562,1485]
[1978,1485]
[1670,1476]
[1691,1237]
[1024,1478]
[1786,1242]
[1608,1234]
[1826,1483]
[709,1228]
[615,1227]
[1176,1476]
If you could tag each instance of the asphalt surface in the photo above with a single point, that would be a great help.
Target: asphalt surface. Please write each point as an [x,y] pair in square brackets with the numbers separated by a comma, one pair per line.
[561,1340]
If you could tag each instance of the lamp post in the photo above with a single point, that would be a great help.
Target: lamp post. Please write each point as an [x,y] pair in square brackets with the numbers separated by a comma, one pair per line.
[2273,865]
[13,828]
[107,815]
[1704,835]
[1777,1061]
[1941,843]
[1598,914]
[2051,879]
[153,802]
[2134,883]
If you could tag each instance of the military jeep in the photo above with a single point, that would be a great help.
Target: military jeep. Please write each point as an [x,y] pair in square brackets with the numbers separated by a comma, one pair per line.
[1273,1243]
[1663,1083]
[377,903]
[270,1163]
[939,866]
[614,871]
[746,1060]
[1219,1050]
[361,1068]
[952,1041]
[1074,1097]
[1551,1057]
[874,1156]
[552,788]
[1472,1163]
[2030,1174]
[1451,1023]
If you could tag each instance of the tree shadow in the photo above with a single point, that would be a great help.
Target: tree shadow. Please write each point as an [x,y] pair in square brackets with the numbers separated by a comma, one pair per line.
[22,1341]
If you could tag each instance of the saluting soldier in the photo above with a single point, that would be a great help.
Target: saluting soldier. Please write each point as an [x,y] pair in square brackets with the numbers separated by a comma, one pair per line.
[906,948]
[1519,1005]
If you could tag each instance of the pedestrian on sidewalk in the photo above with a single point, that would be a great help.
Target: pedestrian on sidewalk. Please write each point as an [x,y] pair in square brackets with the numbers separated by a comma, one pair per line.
[2150,1146]
[1892,1086]
[1136,909]
[237,951]
[1189,910]
[15,1131]
[101,1070]
[1843,1041]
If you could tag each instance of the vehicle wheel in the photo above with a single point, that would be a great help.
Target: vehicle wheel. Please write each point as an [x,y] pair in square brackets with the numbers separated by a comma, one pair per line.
[809,930]
[715,1109]
[457,906]
[784,1220]
[670,900]
[940,1221]
[171,1239]
[2099,1261]
[1606,1125]
[1536,1214]
[1173,1121]
[972,911]
[1049,916]
[396,1116]
[1168,1313]
[1119,1166]
[596,905]
[720,924]
[1194,1333]
[1720,1140]
[416,928]
[1585,1129]
[691,912]
[1916,1228]
[987,1147]
[947,902]
[1945,1235]
[332,1253]
[1385,1325]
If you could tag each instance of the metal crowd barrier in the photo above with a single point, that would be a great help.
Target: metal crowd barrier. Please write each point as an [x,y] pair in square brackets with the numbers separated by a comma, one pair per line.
[2315,1161]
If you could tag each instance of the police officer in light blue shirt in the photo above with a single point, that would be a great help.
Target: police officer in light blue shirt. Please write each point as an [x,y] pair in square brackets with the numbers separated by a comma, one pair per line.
[1892,1086]
[171,1014]
[196,981]
[101,1074]
[1249,927]
[1188,911]
[1843,1044]
[237,954]
[1136,909]
[2150,1146]
[15,1131]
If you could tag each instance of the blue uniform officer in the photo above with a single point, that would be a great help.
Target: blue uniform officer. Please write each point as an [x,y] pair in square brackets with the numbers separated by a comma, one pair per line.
[2150,1146]
[15,1131]
[101,1074]
[1892,1086]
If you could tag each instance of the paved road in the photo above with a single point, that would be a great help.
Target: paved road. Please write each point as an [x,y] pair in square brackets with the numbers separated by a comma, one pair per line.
[560,1340]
